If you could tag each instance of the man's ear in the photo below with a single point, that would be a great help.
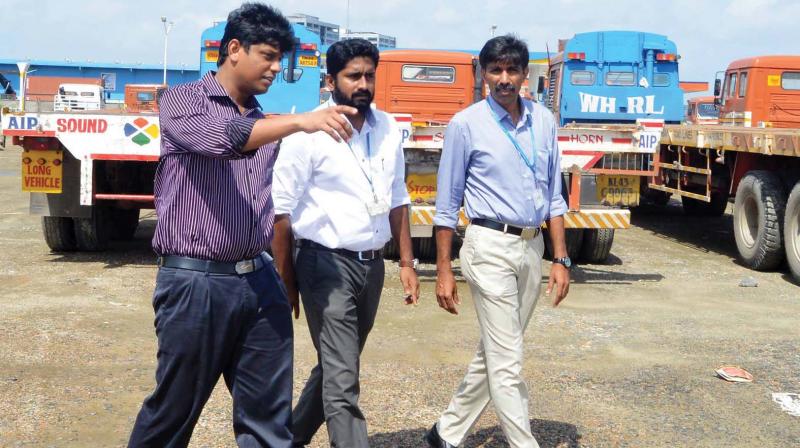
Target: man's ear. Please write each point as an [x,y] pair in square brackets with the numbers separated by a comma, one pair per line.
[330,82]
[234,50]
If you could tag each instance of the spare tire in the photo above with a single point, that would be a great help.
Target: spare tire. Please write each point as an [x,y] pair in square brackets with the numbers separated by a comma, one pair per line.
[758,220]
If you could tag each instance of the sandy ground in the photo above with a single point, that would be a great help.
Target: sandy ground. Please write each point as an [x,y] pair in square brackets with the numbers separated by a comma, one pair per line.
[627,360]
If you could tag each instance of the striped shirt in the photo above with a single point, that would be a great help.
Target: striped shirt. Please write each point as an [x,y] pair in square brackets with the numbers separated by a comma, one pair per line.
[212,201]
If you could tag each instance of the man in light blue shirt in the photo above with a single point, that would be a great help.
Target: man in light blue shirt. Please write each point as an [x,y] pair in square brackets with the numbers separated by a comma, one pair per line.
[501,159]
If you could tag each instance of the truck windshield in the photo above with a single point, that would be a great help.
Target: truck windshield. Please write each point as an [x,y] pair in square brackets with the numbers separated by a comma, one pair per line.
[707,110]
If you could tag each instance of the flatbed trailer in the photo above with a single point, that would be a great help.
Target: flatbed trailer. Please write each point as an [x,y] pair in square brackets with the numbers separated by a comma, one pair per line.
[759,168]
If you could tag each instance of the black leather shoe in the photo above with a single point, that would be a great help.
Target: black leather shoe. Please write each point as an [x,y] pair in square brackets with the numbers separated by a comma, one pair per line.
[435,441]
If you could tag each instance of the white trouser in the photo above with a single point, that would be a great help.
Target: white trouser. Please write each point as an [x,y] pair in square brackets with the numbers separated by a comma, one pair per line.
[504,273]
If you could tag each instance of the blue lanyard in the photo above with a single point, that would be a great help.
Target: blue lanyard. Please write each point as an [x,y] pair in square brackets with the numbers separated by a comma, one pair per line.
[363,171]
[530,164]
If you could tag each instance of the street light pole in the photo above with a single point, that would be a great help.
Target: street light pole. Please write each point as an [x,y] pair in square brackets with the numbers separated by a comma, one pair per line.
[167,28]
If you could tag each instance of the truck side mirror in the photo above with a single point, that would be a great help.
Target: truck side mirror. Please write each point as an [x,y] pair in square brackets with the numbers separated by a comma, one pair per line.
[717,87]
[540,87]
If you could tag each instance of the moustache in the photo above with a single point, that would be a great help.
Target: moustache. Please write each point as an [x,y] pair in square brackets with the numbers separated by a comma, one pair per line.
[505,88]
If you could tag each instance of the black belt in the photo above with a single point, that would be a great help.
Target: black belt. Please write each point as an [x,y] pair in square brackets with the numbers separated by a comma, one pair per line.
[525,232]
[364,255]
[214,267]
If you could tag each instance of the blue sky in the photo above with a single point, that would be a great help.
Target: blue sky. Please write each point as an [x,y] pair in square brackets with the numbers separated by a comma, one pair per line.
[708,33]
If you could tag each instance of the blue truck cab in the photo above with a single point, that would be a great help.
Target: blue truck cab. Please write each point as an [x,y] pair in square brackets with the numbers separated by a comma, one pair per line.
[295,89]
[615,77]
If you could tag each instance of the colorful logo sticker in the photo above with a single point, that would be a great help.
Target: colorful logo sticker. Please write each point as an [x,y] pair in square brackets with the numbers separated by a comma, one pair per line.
[141,131]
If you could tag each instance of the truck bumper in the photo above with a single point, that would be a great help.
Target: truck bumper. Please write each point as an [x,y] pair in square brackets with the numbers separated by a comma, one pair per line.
[422,219]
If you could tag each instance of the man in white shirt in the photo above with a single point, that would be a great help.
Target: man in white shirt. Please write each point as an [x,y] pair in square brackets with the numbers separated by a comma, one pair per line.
[341,202]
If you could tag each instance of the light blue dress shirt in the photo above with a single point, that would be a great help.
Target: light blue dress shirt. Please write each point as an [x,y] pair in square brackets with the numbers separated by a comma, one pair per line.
[481,167]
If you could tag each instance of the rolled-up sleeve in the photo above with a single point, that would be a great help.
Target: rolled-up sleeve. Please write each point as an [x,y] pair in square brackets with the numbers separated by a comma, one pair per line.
[452,174]
[292,173]
[185,120]
[399,190]
[558,206]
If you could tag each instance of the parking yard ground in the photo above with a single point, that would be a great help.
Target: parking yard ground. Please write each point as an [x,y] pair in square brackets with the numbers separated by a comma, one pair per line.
[627,360]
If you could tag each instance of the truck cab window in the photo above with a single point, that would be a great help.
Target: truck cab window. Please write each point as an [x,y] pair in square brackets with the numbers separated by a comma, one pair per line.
[790,80]
[661,79]
[731,86]
[742,84]
[620,79]
[581,78]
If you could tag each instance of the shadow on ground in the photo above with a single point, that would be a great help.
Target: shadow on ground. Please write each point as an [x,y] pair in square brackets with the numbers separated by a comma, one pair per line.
[549,434]
[706,234]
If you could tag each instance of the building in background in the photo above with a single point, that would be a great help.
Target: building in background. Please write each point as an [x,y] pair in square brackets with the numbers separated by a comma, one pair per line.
[112,76]
[381,41]
[328,32]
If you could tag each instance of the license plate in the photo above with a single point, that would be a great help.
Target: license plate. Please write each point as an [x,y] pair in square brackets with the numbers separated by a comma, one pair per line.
[307,61]
[42,171]
[618,189]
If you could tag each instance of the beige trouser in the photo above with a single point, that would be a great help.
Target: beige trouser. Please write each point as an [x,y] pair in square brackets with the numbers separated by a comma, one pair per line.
[504,273]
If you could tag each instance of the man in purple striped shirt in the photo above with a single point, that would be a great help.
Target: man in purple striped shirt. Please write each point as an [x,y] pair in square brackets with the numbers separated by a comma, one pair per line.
[220,307]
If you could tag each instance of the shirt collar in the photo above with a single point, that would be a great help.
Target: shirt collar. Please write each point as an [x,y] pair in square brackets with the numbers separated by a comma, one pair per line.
[215,89]
[370,119]
[502,113]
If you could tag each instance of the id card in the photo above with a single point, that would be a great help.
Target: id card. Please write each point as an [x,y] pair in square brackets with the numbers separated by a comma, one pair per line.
[377,207]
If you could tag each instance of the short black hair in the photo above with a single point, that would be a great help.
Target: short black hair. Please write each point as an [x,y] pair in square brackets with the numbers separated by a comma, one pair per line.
[253,24]
[344,51]
[506,49]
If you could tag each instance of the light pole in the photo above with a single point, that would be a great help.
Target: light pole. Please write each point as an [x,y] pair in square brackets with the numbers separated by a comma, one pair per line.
[494,28]
[167,28]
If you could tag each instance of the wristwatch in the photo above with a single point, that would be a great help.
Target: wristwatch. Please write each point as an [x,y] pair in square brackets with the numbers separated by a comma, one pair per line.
[409,264]
[565,261]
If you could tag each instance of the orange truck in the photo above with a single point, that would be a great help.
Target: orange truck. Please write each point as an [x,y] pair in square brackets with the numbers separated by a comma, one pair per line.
[425,88]
[702,110]
[752,157]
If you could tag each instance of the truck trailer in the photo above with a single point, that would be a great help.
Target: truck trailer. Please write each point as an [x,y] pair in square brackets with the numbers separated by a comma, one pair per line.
[752,157]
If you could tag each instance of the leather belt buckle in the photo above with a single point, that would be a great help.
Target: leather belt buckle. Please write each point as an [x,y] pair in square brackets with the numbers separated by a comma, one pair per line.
[245,267]
[361,256]
[529,233]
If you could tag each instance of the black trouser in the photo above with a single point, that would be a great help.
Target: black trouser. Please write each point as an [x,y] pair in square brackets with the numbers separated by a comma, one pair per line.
[209,325]
[340,298]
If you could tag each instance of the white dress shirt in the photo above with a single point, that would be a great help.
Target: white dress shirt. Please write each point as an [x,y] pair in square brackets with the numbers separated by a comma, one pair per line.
[319,183]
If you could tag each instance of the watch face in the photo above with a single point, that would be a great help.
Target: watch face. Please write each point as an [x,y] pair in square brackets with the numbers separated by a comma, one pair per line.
[564,261]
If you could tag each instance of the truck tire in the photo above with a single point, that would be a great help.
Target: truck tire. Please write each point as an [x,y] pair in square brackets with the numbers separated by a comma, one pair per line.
[597,245]
[93,234]
[124,223]
[390,251]
[425,248]
[573,239]
[758,220]
[791,232]
[59,233]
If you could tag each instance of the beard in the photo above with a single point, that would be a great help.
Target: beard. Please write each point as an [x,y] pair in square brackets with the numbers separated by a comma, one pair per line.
[360,99]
